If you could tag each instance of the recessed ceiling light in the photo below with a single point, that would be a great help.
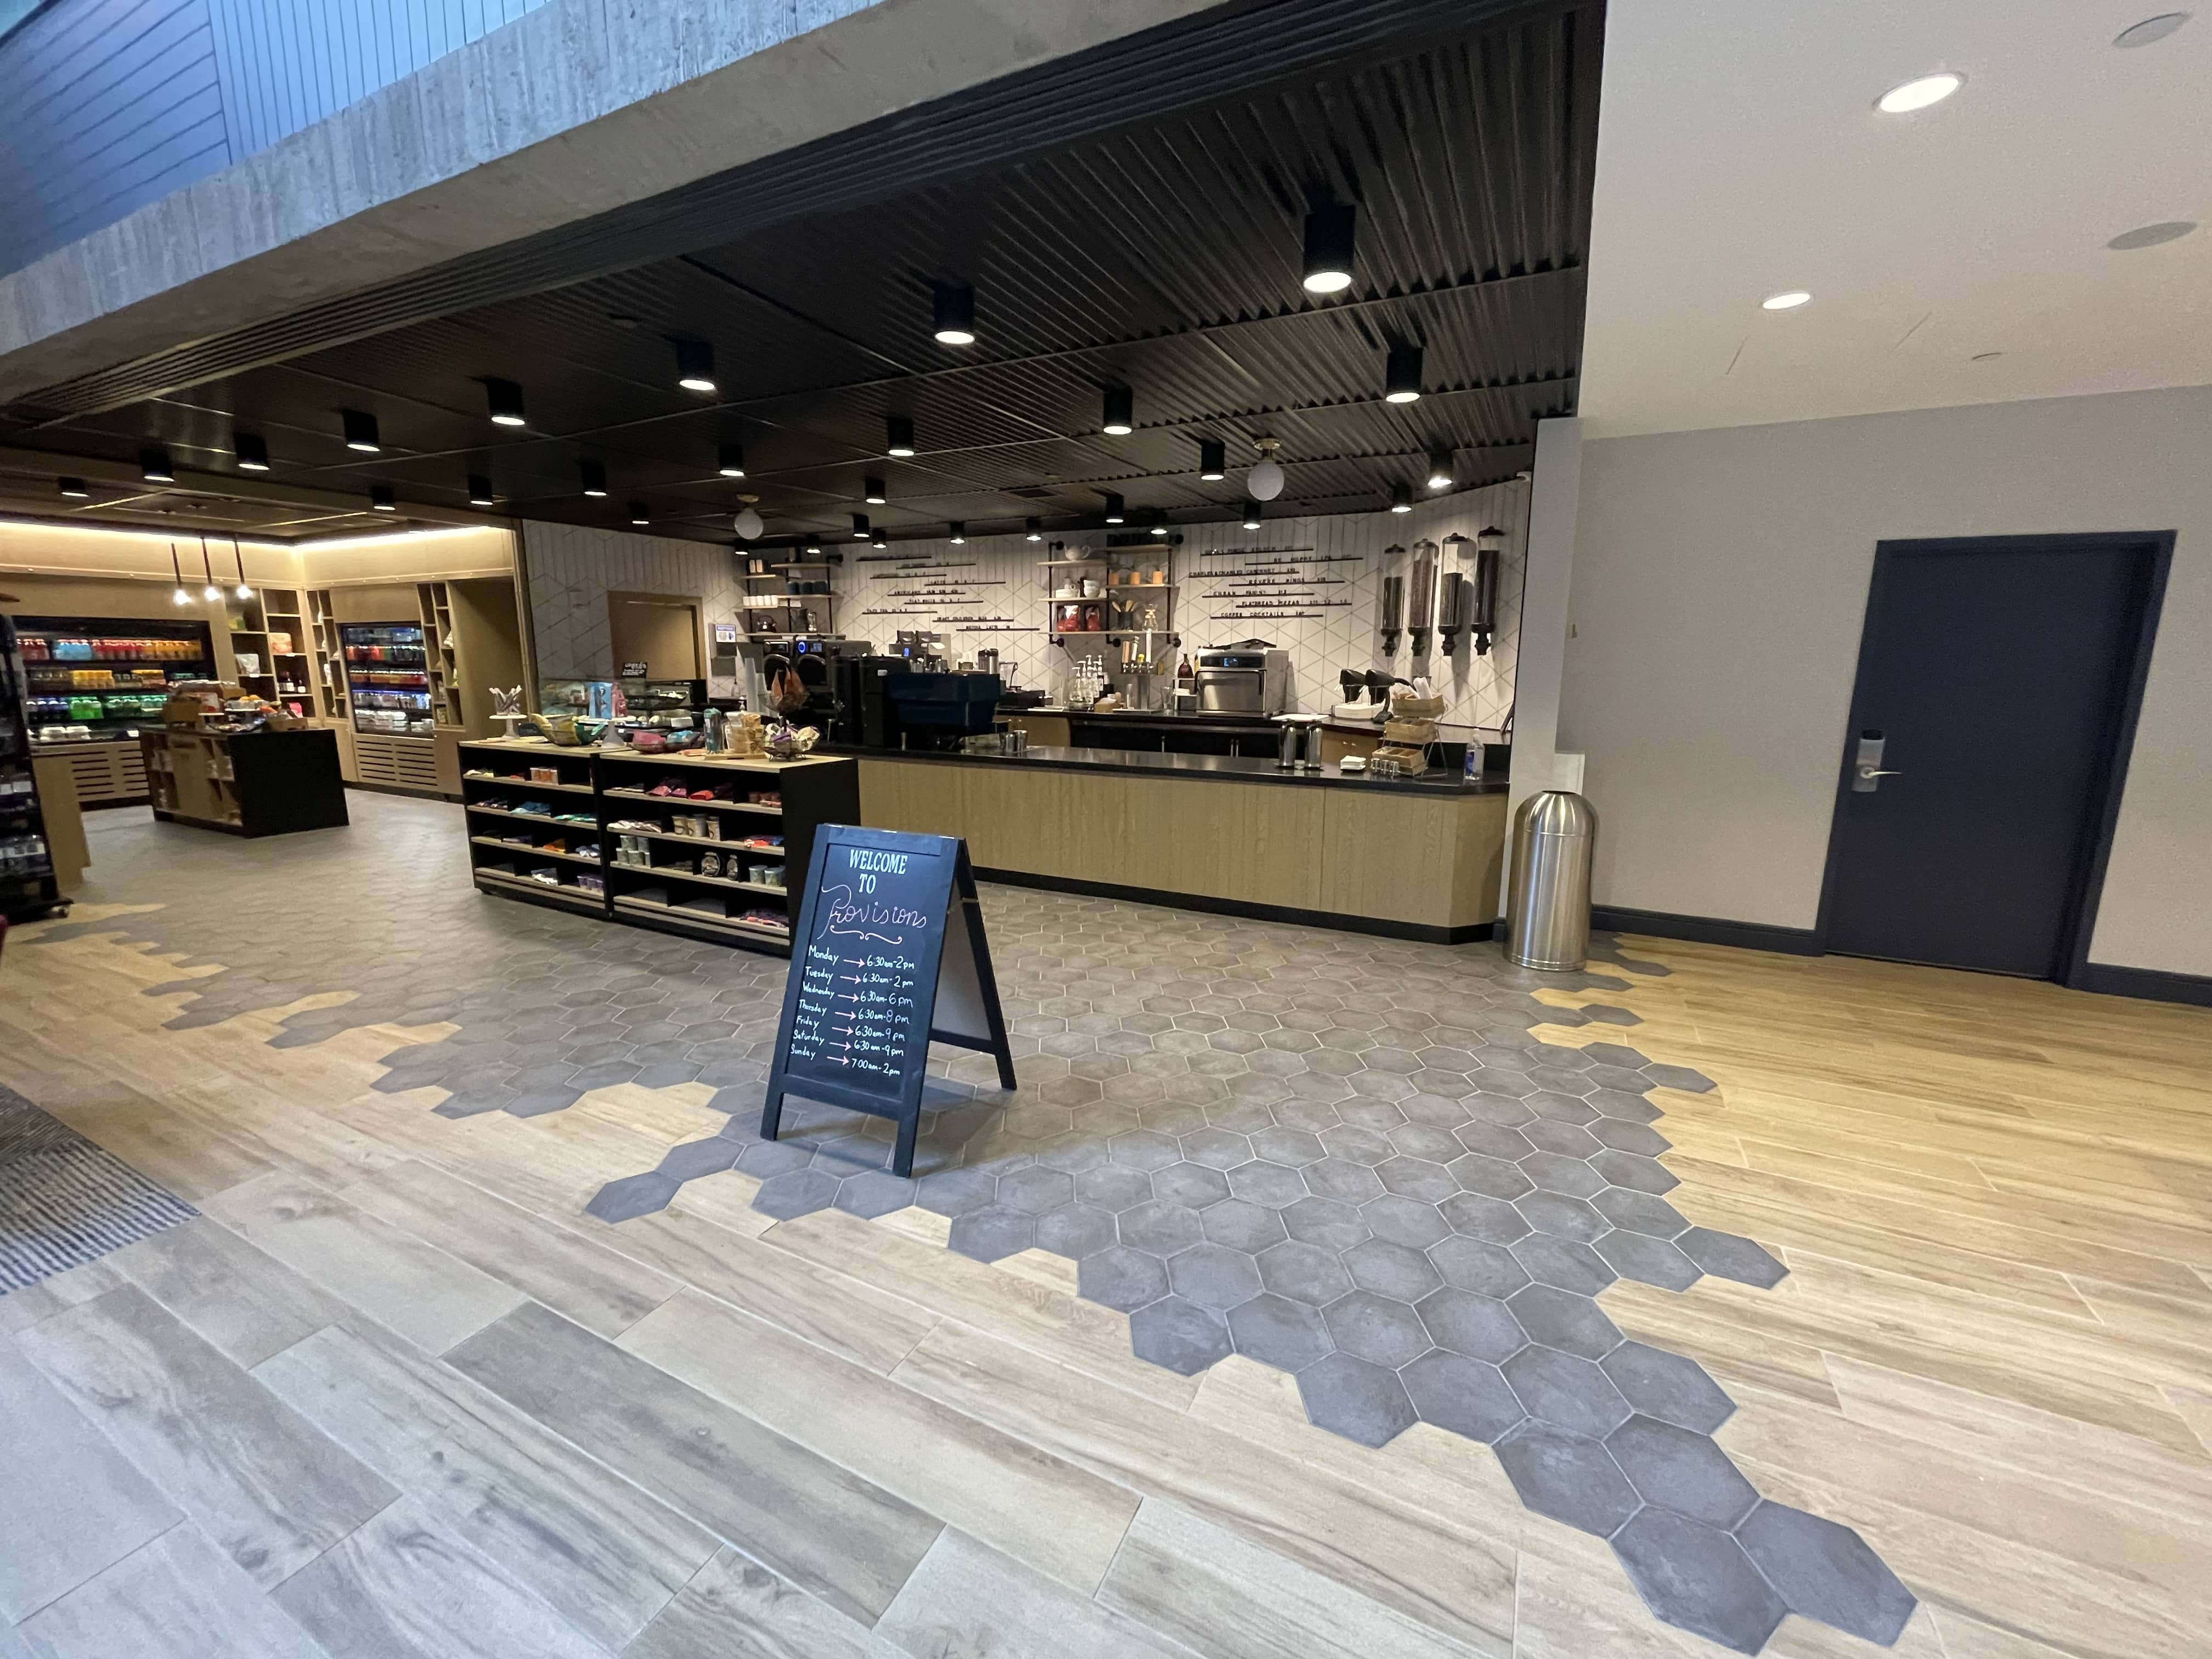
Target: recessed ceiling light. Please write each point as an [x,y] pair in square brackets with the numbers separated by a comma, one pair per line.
[1787,300]
[2150,31]
[1920,93]
[2167,230]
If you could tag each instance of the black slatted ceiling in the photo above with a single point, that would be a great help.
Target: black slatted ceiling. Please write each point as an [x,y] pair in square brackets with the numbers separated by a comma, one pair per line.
[1162,255]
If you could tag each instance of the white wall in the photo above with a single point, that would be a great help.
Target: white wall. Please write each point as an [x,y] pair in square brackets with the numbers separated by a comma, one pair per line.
[1003,579]
[1719,588]
[568,571]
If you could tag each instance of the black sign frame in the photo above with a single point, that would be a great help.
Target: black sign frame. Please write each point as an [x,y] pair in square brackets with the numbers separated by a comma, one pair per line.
[944,960]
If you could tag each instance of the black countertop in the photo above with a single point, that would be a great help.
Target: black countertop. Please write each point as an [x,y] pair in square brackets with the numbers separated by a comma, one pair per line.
[1233,768]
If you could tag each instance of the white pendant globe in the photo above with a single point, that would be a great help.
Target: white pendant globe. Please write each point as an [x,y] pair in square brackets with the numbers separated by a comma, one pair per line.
[1264,481]
[748,525]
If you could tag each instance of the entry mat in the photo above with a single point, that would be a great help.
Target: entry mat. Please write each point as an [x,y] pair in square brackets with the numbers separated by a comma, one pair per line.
[64,1201]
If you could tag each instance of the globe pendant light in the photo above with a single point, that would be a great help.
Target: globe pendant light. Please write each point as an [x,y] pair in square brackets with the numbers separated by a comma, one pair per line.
[1265,482]
[748,524]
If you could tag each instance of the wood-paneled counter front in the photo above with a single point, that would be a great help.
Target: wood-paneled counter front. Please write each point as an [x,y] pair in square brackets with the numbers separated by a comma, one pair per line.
[1411,859]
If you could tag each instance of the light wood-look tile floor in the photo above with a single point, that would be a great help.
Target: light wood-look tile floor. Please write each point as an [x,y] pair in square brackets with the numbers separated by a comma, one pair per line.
[393,1393]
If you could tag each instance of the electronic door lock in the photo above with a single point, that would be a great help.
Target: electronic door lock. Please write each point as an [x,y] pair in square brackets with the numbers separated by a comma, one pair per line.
[1867,772]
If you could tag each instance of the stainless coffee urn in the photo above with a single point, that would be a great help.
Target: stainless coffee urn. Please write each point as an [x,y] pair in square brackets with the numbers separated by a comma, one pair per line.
[1548,911]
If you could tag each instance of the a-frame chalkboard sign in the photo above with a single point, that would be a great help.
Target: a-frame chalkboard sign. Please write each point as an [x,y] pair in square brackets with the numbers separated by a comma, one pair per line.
[888,957]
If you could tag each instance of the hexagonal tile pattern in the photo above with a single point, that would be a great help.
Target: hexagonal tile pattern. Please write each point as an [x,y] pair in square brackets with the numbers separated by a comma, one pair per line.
[1344,1156]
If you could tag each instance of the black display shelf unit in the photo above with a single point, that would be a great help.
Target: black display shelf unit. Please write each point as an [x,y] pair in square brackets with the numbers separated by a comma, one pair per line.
[111,675]
[571,862]
[27,885]
[246,783]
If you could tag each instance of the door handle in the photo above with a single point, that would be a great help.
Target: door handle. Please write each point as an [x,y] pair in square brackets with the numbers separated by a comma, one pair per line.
[1867,772]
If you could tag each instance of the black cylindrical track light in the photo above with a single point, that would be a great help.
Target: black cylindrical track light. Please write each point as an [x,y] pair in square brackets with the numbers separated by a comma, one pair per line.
[503,402]
[1159,522]
[1036,529]
[593,476]
[1120,416]
[730,461]
[360,432]
[860,527]
[813,550]
[1251,513]
[1213,459]
[1440,469]
[695,366]
[955,314]
[379,499]
[480,493]
[1401,497]
[1329,250]
[1403,379]
[959,533]
[639,514]
[898,434]
[880,540]
[873,493]
[154,466]
[1115,515]
[73,489]
[251,453]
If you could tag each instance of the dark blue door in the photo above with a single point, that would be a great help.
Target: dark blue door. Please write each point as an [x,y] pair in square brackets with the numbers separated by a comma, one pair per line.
[1996,691]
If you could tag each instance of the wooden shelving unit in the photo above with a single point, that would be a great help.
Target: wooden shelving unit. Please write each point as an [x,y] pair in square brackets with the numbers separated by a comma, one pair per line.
[780,613]
[600,787]
[329,651]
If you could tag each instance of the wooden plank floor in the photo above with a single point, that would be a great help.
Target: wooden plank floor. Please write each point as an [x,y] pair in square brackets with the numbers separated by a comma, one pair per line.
[393,1393]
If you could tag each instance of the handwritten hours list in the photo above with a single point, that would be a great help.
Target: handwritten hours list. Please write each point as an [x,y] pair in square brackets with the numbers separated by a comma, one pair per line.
[860,978]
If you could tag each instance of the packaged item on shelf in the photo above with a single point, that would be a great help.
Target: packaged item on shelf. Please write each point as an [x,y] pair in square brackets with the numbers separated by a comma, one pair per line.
[547,876]
[546,774]
[710,864]
[768,919]
[588,882]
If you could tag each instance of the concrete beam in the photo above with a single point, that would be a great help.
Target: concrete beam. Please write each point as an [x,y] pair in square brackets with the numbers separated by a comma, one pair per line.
[579,107]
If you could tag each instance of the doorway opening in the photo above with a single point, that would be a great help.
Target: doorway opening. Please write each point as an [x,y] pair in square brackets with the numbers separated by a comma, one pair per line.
[1999,680]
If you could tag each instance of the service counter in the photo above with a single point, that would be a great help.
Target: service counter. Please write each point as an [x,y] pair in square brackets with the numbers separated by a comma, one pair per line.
[1414,857]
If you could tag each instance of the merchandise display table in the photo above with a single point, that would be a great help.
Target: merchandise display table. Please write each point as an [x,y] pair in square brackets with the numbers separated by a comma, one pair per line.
[246,783]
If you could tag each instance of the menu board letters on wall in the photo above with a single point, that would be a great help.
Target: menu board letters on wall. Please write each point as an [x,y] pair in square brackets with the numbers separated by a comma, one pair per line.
[889,956]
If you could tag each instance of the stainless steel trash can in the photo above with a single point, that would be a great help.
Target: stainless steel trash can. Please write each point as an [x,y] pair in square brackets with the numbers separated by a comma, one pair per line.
[1547,912]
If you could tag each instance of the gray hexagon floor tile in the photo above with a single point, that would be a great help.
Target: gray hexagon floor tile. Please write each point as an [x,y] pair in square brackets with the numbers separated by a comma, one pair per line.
[1344,1157]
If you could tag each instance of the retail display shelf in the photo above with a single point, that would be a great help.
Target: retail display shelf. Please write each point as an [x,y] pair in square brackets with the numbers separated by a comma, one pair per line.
[516,850]
[669,871]
[533,783]
[526,817]
[574,896]
[677,913]
[697,841]
[814,790]
[688,805]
